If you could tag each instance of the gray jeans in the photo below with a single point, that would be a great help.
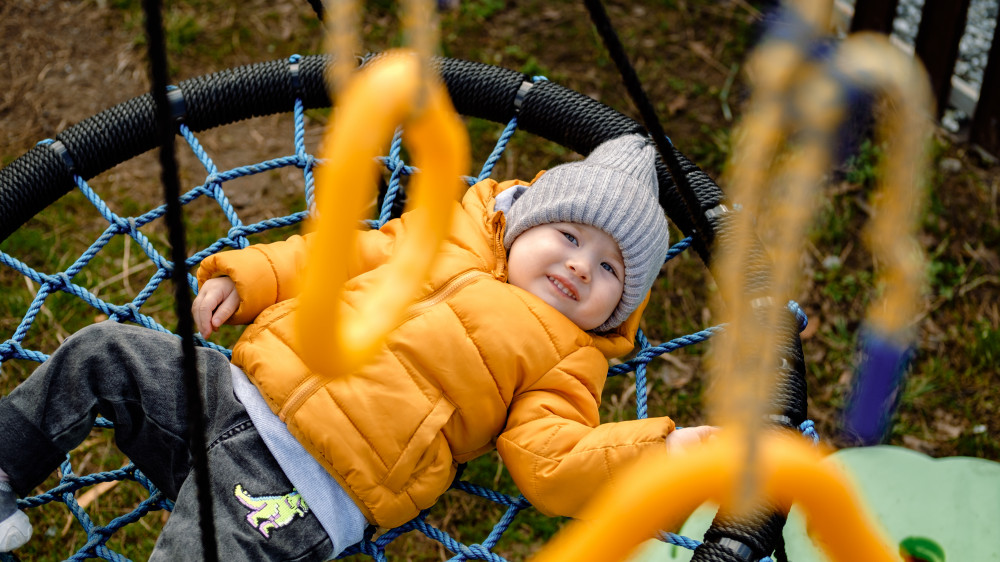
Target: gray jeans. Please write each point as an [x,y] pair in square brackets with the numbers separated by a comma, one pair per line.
[132,376]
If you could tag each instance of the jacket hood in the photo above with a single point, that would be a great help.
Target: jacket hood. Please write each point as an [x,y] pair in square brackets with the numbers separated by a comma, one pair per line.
[616,343]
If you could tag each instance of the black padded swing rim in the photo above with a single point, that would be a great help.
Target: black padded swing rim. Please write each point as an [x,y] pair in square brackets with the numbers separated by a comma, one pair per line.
[43,174]
[39,177]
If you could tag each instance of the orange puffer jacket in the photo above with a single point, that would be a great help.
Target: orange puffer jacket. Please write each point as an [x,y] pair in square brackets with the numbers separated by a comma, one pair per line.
[478,364]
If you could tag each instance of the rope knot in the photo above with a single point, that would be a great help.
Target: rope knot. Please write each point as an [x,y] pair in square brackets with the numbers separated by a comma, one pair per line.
[128,312]
[308,162]
[478,552]
[237,233]
[60,280]
[125,225]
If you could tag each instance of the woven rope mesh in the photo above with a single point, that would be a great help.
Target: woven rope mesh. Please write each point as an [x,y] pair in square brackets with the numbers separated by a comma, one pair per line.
[143,309]
[72,287]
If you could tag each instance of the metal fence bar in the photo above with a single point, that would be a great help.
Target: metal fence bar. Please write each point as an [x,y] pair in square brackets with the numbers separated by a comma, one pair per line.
[985,130]
[942,24]
[874,15]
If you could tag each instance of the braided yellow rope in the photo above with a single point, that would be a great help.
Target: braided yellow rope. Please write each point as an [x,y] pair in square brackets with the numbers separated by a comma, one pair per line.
[784,161]
[781,153]
[336,338]
[342,42]
[420,27]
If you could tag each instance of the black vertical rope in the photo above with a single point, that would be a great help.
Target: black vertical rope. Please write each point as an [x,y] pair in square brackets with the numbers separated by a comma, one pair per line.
[317,6]
[599,17]
[755,534]
[182,296]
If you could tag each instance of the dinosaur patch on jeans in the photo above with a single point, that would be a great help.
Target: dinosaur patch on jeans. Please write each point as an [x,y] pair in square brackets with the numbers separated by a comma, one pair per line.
[268,513]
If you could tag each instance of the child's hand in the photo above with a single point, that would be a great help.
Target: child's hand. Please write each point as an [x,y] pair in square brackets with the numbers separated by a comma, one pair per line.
[686,438]
[216,302]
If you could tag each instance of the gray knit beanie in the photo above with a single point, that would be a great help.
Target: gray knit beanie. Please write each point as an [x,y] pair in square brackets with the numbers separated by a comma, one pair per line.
[614,189]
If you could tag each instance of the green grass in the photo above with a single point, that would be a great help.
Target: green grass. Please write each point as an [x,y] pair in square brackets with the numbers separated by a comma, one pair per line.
[58,534]
[481,10]
[862,167]
[526,63]
[51,242]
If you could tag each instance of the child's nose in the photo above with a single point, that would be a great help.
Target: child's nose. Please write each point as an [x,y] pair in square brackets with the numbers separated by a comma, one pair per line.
[580,267]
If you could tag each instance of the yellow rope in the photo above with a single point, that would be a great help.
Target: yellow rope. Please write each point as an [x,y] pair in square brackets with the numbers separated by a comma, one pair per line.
[782,151]
[396,89]
[341,42]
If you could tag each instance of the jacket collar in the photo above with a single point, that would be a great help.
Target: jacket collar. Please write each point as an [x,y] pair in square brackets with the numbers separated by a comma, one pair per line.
[616,343]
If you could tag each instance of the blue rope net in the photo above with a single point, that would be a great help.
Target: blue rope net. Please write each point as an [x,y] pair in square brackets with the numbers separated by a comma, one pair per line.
[237,236]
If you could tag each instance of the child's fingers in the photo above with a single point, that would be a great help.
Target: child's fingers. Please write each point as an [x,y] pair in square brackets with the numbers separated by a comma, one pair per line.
[705,432]
[225,309]
[213,294]
[686,438]
[201,315]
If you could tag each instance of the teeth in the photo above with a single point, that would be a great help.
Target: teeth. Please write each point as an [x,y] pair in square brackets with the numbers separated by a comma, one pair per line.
[562,288]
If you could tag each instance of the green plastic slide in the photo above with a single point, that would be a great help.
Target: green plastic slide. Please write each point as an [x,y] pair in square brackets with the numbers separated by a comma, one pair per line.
[940,509]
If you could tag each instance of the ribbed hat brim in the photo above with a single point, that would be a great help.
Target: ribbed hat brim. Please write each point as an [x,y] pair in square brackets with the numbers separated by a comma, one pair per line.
[614,189]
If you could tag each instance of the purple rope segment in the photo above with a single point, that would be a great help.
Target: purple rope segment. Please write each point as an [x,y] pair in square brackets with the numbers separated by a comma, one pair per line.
[877,387]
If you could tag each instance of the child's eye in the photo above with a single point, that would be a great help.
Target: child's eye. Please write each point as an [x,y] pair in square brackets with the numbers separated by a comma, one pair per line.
[570,237]
[608,267]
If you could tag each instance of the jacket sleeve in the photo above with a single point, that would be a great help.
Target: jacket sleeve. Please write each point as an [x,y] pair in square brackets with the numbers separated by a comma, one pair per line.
[554,445]
[266,274]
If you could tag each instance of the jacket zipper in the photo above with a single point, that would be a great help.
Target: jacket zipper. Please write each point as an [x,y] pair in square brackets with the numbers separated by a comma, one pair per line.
[313,382]
[500,271]
[443,292]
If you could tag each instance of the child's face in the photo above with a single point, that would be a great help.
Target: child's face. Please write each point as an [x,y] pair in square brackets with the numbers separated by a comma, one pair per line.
[576,268]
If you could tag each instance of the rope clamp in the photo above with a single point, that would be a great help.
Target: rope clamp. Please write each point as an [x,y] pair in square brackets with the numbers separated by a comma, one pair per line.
[293,71]
[60,149]
[741,550]
[178,107]
[522,92]
[781,419]
[716,211]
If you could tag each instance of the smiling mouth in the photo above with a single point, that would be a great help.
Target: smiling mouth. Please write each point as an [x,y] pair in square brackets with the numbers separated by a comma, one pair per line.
[565,290]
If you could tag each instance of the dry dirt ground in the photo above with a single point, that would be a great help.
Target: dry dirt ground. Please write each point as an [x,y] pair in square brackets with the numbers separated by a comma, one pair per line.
[65,61]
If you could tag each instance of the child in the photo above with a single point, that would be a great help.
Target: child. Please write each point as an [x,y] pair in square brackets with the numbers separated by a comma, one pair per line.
[506,347]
